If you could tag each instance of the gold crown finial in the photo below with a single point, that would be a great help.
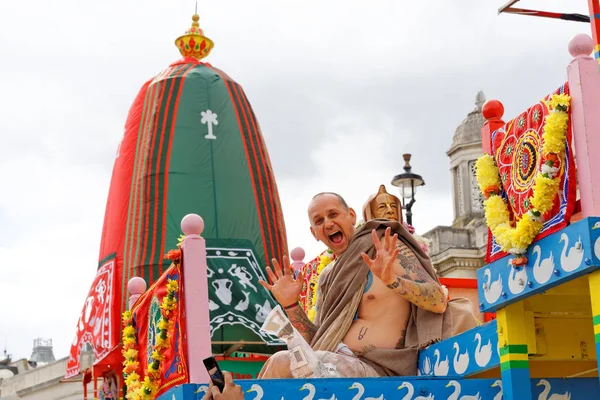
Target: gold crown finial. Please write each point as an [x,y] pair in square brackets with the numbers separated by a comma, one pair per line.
[193,43]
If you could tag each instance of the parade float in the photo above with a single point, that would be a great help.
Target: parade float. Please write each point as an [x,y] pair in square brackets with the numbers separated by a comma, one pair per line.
[191,143]
[542,278]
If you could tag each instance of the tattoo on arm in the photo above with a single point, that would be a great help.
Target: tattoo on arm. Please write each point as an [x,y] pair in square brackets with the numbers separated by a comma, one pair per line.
[300,321]
[415,284]
[427,295]
[411,265]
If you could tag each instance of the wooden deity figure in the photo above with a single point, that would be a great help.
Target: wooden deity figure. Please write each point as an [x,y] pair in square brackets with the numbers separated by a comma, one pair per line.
[387,206]
[383,205]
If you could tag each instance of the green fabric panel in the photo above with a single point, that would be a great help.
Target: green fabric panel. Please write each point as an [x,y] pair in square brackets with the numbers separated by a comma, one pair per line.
[254,163]
[273,213]
[210,177]
[596,319]
[132,236]
[261,179]
[142,194]
[237,300]
[153,258]
[151,212]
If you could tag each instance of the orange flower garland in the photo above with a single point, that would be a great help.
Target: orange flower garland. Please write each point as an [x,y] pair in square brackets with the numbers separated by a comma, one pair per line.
[517,239]
[147,389]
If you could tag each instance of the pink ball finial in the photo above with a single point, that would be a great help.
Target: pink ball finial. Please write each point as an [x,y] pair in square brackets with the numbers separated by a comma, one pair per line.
[136,285]
[297,254]
[192,224]
[581,45]
[492,109]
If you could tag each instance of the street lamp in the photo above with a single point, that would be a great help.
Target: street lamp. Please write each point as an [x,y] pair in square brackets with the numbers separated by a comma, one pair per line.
[408,183]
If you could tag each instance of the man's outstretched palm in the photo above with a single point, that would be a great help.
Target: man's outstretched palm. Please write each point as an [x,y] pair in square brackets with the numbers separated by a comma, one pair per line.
[284,287]
[386,253]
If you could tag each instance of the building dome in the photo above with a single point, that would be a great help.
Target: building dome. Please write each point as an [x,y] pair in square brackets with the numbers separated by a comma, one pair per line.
[469,130]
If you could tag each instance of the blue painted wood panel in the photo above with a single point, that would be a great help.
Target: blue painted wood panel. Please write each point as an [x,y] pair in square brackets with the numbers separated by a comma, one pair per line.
[409,388]
[473,351]
[555,259]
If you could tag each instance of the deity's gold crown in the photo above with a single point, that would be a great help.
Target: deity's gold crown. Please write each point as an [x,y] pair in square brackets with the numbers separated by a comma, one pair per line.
[194,44]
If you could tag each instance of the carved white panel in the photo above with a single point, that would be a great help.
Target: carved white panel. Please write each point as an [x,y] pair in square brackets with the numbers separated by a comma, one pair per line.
[476,195]
[459,192]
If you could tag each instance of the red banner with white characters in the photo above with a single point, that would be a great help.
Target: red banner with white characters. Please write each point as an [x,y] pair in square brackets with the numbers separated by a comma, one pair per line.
[94,327]
[146,318]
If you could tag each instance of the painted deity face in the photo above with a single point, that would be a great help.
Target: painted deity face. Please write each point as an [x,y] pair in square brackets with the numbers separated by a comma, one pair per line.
[331,223]
[385,206]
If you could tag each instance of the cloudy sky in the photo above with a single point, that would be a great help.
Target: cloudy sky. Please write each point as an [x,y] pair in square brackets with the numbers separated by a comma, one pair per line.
[341,90]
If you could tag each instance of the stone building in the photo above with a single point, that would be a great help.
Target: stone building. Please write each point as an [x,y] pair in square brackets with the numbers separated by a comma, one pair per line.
[457,251]
[41,377]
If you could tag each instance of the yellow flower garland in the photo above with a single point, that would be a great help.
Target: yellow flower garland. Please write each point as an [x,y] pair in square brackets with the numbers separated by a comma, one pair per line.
[517,239]
[147,389]
[324,260]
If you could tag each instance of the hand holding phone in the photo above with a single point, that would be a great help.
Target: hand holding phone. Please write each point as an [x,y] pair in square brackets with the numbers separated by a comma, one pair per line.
[222,387]
[215,373]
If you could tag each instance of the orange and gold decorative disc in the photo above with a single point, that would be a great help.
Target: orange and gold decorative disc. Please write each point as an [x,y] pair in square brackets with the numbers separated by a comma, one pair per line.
[194,44]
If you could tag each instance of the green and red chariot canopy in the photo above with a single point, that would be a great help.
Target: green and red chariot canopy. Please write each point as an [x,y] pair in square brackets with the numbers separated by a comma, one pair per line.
[192,144]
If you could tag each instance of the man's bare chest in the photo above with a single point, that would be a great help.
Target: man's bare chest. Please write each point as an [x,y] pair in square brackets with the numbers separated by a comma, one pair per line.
[377,296]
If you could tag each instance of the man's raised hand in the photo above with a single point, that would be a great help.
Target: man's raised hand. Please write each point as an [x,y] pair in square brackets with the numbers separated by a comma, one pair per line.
[386,253]
[284,286]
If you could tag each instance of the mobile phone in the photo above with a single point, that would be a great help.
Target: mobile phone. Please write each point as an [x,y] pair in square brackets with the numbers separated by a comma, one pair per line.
[215,373]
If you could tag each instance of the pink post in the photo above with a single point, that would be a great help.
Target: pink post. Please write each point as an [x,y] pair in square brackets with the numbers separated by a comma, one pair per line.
[492,111]
[136,287]
[297,255]
[195,292]
[584,85]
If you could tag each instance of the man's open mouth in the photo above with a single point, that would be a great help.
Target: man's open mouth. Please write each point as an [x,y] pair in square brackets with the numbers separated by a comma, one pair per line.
[336,237]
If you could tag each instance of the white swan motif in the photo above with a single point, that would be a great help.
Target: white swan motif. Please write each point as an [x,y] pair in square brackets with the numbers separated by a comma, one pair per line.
[361,391]
[546,391]
[201,389]
[483,354]
[492,290]
[461,362]
[597,242]
[498,395]
[440,368]
[517,280]
[426,367]
[411,391]
[572,260]
[312,391]
[259,391]
[542,271]
[454,395]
